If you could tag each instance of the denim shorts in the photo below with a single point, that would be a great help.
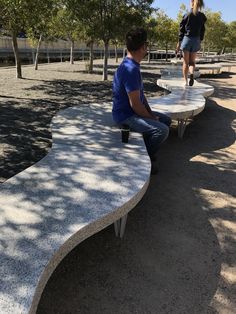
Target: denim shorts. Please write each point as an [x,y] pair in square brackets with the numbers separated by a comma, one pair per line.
[191,44]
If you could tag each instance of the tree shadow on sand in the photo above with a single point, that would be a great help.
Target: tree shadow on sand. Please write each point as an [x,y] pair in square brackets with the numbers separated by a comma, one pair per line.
[25,123]
[170,258]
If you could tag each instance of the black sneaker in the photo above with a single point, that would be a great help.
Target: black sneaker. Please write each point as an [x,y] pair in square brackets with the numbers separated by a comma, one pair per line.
[191,81]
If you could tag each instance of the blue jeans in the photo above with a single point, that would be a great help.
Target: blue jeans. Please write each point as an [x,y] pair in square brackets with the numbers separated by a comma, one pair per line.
[154,132]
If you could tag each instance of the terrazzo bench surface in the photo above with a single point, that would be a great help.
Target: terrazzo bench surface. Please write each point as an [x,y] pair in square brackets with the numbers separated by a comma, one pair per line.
[88,180]
[183,103]
[214,68]
[204,67]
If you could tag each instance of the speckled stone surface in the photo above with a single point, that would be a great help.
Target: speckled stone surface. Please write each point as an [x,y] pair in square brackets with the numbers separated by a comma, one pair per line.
[212,67]
[88,180]
[182,102]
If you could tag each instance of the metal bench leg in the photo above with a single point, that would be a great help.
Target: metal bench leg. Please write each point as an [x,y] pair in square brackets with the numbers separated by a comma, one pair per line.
[181,127]
[119,226]
[123,225]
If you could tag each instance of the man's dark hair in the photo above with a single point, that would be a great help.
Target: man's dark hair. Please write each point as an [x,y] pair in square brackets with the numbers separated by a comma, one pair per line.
[135,38]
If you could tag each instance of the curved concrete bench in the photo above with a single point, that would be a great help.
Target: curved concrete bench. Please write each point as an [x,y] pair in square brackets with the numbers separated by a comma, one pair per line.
[88,181]
[213,68]
[183,103]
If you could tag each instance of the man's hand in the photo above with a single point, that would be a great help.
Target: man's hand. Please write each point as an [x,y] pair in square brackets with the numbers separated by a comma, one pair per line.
[145,102]
[139,108]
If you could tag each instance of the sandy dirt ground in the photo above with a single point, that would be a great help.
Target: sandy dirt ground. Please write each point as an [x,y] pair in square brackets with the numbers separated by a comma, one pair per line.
[178,254]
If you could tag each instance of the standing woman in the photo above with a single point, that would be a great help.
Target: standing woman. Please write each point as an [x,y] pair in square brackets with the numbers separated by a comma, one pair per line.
[191,33]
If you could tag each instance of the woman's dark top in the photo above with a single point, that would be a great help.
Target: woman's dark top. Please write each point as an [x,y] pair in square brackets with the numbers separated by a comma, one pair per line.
[192,25]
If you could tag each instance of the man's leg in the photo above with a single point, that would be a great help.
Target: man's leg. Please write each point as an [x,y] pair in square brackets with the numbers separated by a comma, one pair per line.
[154,132]
[163,118]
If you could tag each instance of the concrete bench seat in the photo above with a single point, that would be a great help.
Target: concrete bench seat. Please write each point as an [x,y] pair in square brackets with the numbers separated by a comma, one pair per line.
[227,65]
[88,180]
[208,59]
[213,68]
[183,103]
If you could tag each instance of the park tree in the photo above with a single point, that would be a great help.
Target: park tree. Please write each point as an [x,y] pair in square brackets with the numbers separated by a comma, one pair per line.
[109,18]
[13,19]
[216,30]
[66,25]
[182,11]
[230,37]
[138,14]
[167,31]
[152,30]
[39,28]
[17,16]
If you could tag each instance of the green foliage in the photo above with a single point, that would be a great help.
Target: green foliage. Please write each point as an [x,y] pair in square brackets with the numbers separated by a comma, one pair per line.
[167,30]
[14,14]
[66,25]
[152,30]
[182,10]
[230,37]
[216,29]
[108,19]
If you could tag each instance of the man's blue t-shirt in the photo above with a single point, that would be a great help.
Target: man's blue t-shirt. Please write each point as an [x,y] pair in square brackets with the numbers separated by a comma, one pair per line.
[126,79]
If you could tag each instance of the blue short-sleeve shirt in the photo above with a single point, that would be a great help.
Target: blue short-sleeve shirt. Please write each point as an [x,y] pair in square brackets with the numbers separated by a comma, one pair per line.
[126,79]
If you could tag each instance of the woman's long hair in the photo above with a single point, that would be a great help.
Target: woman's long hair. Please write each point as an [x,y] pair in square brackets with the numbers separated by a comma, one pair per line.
[197,5]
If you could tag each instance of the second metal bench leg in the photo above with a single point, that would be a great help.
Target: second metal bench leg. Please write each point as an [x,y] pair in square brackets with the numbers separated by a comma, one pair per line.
[119,226]
[181,127]
[123,225]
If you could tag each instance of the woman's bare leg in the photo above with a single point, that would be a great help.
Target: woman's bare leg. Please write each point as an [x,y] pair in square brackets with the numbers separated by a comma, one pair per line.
[185,65]
[192,58]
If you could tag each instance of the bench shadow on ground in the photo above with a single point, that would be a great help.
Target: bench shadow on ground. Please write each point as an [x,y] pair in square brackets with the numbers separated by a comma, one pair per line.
[222,91]
[170,259]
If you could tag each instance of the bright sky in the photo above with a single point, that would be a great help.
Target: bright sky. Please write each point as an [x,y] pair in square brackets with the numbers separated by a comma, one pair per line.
[226,7]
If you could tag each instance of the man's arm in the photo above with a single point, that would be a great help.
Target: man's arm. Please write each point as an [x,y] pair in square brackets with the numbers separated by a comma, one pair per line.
[142,110]
[181,31]
[145,102]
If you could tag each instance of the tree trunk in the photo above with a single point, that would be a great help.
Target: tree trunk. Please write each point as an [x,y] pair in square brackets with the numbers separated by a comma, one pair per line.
[116,54]
[106,45]
[203,49]
[166,52]
[16,54]
[124,51]
[72,45]
[149,53]
[37,53]
[223,50]
[91,57]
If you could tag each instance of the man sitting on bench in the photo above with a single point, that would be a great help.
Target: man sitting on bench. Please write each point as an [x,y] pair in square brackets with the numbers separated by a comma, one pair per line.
[130,106]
